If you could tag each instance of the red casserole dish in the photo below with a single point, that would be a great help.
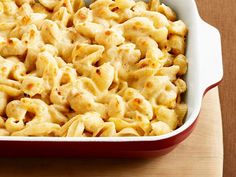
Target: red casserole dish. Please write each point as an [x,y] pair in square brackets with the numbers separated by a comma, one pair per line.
[205,72]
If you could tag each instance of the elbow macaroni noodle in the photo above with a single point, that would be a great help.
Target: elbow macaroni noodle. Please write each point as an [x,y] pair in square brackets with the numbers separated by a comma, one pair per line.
[114,68]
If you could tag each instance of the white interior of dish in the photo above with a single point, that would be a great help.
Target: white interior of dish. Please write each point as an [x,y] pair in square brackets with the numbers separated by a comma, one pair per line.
[187,11]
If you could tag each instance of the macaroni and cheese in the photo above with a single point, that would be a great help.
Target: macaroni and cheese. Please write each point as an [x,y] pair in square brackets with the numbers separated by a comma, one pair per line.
[114,68]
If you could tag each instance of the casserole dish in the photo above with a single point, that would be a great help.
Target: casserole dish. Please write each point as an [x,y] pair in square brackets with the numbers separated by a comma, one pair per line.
[205,72]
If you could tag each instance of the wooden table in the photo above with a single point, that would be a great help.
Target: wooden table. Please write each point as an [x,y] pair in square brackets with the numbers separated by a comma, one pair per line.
[201,155]
[222,14]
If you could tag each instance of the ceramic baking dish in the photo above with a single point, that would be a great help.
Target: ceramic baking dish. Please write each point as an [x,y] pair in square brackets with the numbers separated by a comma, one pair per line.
[205,71]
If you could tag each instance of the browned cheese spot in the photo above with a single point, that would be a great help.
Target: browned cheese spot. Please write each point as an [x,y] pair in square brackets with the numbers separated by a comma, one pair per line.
[30,86]
[98,71]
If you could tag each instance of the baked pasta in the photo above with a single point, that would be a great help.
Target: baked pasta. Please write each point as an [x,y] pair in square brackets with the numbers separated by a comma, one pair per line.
[114,68]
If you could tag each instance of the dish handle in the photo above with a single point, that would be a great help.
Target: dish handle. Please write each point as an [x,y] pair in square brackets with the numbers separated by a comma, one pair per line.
[211,70]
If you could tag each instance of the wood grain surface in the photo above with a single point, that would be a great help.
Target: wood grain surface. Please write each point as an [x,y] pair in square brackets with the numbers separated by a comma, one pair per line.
[222,14]
[201,155]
